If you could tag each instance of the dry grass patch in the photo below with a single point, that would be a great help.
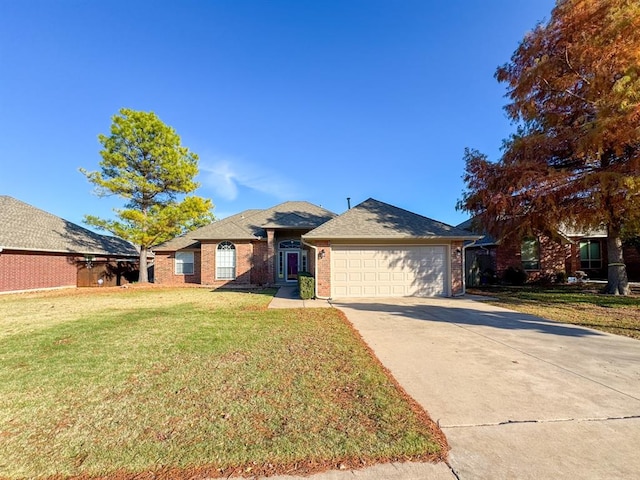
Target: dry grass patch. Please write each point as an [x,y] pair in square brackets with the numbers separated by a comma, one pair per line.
[184,381]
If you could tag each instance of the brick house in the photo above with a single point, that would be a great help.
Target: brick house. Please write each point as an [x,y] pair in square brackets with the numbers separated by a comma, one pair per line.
[371,250]
[39,250]
[543,257]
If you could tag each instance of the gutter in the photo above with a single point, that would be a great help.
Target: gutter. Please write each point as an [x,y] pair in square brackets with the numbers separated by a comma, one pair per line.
[315,283]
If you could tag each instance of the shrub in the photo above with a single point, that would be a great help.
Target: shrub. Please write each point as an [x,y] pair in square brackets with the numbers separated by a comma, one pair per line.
[488,277]
[561,277]
[515,276]
[306,285]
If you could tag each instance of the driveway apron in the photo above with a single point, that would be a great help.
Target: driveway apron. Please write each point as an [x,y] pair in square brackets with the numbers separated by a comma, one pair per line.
[518,397]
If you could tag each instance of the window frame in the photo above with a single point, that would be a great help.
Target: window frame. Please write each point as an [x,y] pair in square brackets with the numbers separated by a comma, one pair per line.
[532,262]
[591,263]
[226,263]
[180,263]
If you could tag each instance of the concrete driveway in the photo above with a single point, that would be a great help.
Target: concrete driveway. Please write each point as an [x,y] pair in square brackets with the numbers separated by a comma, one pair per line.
[518,397]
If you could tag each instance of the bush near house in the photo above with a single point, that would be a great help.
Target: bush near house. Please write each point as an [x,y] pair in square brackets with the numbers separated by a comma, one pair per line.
[306,285]
[515,276]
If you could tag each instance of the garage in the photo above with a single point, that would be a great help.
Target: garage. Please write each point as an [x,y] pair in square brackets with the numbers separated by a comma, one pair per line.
[389,271]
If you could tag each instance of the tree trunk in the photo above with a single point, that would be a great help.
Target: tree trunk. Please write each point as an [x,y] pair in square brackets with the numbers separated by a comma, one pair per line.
[144,273]
[617,281]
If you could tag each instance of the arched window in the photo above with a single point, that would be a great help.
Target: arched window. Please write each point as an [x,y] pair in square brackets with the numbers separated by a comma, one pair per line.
[289,244]
[226,261]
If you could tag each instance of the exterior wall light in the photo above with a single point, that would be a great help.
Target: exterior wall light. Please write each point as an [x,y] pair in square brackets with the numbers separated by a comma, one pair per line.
[321,254]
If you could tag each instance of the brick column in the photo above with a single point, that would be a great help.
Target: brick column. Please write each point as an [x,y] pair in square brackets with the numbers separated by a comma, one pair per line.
[456,268]
[323,269]
[271,257]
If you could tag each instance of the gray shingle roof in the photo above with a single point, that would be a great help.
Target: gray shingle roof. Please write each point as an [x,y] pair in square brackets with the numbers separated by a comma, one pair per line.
[251,224]
[25,227]
[471,227]
[373,219]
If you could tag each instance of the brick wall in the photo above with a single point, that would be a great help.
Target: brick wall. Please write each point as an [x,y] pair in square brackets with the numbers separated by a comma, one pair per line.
[244,262]
[323,269]
[31,270]
[165,270]
[553,258]
[260,272]
[456,268]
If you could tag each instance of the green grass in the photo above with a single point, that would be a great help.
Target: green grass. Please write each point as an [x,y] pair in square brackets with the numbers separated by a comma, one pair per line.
[98,382]
[578,305]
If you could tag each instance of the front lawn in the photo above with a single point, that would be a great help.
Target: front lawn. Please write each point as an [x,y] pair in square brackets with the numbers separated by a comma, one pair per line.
[189,383]
[578,305]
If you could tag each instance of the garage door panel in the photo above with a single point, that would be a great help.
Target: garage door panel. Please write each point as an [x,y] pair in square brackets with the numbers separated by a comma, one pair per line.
[388,271]
[384,276]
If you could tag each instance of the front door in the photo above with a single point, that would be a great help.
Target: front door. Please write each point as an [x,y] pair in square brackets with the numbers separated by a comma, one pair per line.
[293,258]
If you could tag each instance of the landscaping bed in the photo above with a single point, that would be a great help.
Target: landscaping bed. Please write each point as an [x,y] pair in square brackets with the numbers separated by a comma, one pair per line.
[189,383]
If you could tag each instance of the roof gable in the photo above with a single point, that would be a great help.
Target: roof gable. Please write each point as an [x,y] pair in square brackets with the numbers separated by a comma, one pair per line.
[373,219]
[25,227]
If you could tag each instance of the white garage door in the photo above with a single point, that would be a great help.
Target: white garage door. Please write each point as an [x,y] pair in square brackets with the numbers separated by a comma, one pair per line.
[398,271]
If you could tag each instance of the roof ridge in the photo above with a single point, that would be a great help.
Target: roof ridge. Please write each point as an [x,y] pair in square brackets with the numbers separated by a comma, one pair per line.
[409,212]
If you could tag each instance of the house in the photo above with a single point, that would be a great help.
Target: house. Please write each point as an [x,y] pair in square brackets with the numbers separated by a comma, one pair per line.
[39,250]
[372,250]
[543,257]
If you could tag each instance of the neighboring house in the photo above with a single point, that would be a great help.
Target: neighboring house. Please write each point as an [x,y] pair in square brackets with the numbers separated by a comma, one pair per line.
[371,250]
[542,257]
[39,250]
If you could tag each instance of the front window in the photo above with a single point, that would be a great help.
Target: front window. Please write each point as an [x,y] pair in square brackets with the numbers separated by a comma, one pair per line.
[226,261]
[530,254]
[590,254]
[184,263]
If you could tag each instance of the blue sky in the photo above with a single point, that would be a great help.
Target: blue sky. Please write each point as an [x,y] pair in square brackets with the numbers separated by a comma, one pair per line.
[281,99]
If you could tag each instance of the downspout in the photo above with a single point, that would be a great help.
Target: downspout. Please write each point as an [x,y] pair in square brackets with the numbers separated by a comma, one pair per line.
[315,262]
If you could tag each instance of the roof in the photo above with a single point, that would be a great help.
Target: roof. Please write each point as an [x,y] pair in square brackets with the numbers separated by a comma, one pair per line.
[373,219]
[252,225]
[25,227]
[485,241]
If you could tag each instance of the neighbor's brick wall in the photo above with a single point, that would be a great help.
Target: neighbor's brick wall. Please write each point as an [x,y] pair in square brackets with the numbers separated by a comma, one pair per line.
[165,270]
[28,271]
[553,256]
[323,269]
[456,268]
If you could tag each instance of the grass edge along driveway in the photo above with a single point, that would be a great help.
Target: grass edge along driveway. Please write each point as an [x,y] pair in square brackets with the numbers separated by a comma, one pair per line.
[574,304]
[187,382]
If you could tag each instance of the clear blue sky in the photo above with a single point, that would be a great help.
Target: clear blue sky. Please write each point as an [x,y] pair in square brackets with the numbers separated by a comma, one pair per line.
[281,99]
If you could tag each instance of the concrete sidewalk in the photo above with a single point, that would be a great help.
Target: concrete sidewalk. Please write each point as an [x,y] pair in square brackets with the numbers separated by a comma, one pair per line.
[289,297]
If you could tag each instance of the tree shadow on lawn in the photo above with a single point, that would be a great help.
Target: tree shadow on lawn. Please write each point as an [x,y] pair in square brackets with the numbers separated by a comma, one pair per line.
[459,312]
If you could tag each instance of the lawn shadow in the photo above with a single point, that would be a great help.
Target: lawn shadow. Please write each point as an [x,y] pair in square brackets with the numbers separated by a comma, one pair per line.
[464,312]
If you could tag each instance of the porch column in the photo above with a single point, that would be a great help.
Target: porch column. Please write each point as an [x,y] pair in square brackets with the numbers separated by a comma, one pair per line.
[271,256]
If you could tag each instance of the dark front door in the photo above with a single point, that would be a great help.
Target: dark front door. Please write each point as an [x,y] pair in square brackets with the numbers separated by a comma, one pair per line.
[292,266]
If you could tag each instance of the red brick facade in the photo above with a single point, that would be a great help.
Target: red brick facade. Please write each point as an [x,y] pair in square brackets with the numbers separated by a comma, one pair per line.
[30,270]
[457,287]
[552,258]
[165,272]
[252,266]
[323,269]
